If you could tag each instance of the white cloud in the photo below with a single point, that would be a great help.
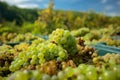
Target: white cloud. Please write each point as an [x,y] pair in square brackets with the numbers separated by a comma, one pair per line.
[24,3]
[113,14]
[39,0]
[118,2]
[109,7]
[103,1]
[28,5]
[15,1]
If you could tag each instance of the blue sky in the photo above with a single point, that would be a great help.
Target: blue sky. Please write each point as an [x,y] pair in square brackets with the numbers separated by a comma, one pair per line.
[109,7]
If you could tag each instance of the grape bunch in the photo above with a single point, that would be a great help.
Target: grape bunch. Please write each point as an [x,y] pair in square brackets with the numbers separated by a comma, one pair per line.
[60,45]
[80,32]
[41,51]
[109,59]
[38,54]
[6,57]
[90,72]
[51,67]
[14,37]
[20,48]
[6,37]
[82,72]
[85,53]
[61,57]
[65,39]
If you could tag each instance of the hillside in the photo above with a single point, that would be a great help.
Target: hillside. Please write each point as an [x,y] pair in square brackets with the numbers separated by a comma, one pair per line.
[44,21]
[13,13]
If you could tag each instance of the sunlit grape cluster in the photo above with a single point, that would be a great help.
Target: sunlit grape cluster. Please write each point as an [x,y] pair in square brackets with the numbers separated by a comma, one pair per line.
[110,59]
[39,52]
[8,54]
[94,36]
[109,41]
[42,51]
[65,39]
[14,37]
[80,32]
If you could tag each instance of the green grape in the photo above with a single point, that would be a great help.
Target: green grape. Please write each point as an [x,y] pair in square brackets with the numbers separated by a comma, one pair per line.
[76,71]
[28,75]
[11,68]
[20,62]
[82,68]
[116,69]
[45,77]
[54,77]
[81,77]
[32,61]
[100,77]
[34,57]
[22,54]
[17,66]
[42,61]
[61,75]
[109,75]
[69,72]
[61,54]
[59,59]
[91,68]
[91,73]
[21,76]
[40,55]
[37,75]
[112,62]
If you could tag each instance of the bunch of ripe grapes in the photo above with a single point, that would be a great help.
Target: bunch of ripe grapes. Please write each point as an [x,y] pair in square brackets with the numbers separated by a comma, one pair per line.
[61,57]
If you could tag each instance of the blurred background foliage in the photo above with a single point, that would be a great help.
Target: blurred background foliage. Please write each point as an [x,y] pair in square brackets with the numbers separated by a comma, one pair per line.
[44,21]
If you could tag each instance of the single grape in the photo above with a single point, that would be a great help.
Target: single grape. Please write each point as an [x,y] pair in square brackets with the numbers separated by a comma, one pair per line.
[82,68]
[45,77]
[54,77]
[69,72]
[109,75]
[81,77]
[61,75]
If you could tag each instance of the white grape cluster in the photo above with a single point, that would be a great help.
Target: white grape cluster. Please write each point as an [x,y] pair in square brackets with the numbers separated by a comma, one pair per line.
[57,47]
[65,39]
[82,72]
